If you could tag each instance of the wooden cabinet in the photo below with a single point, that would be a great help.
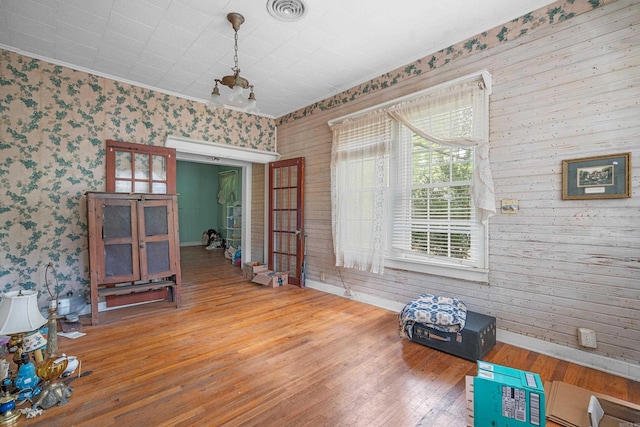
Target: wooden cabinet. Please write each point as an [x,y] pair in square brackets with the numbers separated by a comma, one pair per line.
[133,246]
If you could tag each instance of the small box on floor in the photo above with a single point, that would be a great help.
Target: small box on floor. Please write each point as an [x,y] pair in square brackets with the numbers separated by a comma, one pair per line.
[504,397]
[473,342]
[605,412]
[271,279]
[570,406]
[250,269]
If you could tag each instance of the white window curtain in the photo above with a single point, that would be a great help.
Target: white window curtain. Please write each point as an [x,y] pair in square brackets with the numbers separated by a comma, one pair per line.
[359,162]
[416,115]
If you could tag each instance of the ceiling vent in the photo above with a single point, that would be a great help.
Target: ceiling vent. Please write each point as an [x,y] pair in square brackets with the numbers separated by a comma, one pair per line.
[286,10]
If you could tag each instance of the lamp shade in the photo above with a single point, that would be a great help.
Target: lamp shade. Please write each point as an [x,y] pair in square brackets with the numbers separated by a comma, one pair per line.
[34,341]
[19,312]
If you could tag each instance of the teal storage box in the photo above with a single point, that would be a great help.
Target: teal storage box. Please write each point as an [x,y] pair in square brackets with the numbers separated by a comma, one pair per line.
[500,396]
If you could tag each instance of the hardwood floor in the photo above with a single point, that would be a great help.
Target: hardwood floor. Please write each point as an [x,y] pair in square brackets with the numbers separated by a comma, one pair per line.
[237,353]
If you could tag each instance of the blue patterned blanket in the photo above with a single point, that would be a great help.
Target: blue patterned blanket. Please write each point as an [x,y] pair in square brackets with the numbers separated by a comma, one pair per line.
[443,314]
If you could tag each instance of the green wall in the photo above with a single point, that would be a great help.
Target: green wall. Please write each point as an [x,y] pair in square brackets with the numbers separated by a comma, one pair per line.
[198,185]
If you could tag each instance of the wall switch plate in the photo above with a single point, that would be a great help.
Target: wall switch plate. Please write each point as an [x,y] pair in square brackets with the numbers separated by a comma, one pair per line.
[587,338]
[509,206]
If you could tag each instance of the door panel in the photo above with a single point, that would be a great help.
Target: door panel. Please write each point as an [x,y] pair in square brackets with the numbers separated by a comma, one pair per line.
[118,242]
[156,223]
[286,218]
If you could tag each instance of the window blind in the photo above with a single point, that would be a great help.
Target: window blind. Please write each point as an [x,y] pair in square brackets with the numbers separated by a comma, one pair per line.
[433,211]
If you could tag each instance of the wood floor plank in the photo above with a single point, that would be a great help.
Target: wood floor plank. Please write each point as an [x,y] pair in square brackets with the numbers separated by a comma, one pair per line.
[239,354]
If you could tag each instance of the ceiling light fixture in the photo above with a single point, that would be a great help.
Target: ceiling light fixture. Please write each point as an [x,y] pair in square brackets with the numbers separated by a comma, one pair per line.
[286,10]
[235,82]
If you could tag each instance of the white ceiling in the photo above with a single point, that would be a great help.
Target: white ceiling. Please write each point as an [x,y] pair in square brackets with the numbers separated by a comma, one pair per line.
[180,46]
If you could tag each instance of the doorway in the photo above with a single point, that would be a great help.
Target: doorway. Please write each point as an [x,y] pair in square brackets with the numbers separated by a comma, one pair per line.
[207,192]
[191,150]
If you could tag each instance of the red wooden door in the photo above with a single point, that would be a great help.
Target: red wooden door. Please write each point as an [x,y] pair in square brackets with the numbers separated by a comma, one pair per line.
[286,218]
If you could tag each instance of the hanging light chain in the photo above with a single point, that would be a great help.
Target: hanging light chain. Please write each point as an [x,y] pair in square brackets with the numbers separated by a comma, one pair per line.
[235,69]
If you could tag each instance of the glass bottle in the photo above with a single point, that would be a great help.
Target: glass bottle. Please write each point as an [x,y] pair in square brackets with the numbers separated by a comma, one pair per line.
[26,378]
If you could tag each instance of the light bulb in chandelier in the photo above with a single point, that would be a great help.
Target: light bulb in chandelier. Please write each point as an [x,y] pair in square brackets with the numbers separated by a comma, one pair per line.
[215,100]
[237,98]
[252,106]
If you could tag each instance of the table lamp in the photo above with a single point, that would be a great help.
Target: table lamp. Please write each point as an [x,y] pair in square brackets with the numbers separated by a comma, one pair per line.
[19,314]
[34,343]
[53,366]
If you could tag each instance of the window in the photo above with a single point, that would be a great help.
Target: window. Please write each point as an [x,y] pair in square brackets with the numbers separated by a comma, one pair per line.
[137,168]
[432,209]
[411,187]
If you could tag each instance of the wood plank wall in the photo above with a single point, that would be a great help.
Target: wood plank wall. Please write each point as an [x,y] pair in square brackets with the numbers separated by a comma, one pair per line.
[567,91]
[258,225]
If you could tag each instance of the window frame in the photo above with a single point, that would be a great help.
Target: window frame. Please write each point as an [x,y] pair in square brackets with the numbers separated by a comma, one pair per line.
[477,270]
[169,154]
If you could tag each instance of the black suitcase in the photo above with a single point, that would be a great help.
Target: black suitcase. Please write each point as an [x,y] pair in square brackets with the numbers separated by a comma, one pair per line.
[473,342]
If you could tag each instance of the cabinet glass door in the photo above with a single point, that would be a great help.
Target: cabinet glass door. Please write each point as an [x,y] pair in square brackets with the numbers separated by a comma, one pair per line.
[119,241]
[157,258]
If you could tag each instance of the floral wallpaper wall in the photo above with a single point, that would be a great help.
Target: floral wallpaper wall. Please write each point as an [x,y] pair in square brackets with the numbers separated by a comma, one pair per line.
[53,125]
[54,122]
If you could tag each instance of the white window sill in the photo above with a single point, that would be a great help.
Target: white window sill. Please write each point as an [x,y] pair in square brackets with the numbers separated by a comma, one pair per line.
[439,269]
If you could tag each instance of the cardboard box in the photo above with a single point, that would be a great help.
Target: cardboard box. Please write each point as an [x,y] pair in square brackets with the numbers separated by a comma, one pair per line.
[570,406]
[250,269]
[271,279]
[502,396]
[605,412]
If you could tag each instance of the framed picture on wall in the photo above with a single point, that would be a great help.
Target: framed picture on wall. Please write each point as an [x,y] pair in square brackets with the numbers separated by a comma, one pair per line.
[601,177]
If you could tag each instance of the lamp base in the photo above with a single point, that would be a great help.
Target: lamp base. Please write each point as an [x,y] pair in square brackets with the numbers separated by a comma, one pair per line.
[8,413]
[10,418]
[53,393]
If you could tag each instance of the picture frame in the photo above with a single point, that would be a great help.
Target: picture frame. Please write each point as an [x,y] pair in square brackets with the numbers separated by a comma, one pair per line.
[600,177]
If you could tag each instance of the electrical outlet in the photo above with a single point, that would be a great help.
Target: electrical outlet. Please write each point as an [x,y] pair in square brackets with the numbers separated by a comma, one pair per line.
[322,277]
[587,338]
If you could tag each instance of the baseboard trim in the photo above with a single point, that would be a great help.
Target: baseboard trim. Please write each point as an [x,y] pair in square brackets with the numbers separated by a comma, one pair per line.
[102,306]
[579,357]
[573,355]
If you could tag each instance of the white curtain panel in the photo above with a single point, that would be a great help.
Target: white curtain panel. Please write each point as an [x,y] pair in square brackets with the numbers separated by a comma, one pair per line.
[359,162]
